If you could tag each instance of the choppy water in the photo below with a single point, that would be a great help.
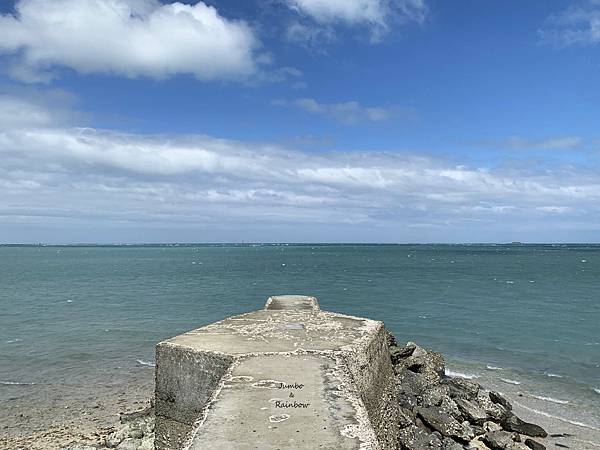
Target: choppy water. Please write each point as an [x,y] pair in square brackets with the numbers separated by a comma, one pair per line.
[523,318]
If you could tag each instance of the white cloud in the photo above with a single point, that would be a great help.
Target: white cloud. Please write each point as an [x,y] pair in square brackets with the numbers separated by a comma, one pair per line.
[579,24]
[132,38]
[349,112]
[375,14]
[554,143]
[55,173]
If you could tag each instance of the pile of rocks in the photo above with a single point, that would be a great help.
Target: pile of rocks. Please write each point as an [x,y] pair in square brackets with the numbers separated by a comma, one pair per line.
[441,412]
[135,433]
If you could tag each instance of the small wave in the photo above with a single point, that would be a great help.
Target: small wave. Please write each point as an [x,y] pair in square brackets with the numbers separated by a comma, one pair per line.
[562,419]
[553,375]
[550,399]
[452,373]
[488,367]
[510,282]
[12,341]
[509,381]
[15,383]
[596,390]
[145,363]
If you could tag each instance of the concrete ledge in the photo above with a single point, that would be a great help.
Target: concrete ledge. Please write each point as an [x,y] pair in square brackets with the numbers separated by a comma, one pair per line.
[287,376]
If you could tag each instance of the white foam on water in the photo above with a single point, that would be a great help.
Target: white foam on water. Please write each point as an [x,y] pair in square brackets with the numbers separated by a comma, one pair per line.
[69,301]
[553,375]
[510,282]
[12,341]
[452,373]
[145,363]
[488,367]
[596,390]
[552,416]
[509,381]
[15,383]
[550,399]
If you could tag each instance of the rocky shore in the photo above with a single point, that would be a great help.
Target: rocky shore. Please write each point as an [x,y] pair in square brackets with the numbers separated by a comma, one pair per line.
[436,411]
[441,412]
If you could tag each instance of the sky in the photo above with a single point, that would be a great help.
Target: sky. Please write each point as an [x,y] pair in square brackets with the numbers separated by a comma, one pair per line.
[392,121]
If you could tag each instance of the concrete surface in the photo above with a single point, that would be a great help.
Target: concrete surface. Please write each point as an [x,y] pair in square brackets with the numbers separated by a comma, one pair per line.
[220,386]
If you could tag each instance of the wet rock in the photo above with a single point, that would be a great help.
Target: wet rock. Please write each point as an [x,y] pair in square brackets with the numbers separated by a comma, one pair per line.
[472,412]
[500,400]
[444,423]
[414,438]
[534,445]
[513,423]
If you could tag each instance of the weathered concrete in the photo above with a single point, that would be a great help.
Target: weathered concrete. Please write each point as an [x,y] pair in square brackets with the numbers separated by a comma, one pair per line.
[288,376]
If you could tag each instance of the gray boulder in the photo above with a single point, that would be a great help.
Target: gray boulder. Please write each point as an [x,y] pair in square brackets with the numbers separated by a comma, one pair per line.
[499,440]
[471,411]
[446,424]
[513,423]
[414,438]
[534,445]
[500,400]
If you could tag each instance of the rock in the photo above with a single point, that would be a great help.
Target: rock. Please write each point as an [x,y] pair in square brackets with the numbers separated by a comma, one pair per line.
[427,363]
[500,400]
[409,386]
[136,433]
[405,417]
[434,396]
[461,387]
[414,438]
[491,426]
[495,412]
[534,445]
[513,423]
[477,444]
[445,424]
[399,353]
[147,444]
[129,444]
[115,438]
[449,444]
[472,412]
[499,440]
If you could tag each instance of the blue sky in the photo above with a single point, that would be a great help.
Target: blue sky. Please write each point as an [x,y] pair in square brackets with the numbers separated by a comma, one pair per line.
[299,120]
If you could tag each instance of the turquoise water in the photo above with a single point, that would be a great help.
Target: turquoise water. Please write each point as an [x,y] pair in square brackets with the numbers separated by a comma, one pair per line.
[529,314]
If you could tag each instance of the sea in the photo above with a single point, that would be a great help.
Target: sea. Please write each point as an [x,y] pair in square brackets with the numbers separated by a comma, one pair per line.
[79,321]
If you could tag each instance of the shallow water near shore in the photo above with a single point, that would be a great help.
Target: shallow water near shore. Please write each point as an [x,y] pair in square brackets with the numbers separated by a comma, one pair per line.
[79,322]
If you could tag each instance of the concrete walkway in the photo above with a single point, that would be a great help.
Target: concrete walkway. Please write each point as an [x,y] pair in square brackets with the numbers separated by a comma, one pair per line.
[288,376]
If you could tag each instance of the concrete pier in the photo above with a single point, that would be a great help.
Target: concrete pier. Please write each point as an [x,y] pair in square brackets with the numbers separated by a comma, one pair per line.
[287,376]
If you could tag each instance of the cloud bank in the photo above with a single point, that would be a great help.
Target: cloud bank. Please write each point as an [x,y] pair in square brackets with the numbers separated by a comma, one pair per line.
[579,24]
[132,38]
[349,113]
[54,174]
[377,15]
